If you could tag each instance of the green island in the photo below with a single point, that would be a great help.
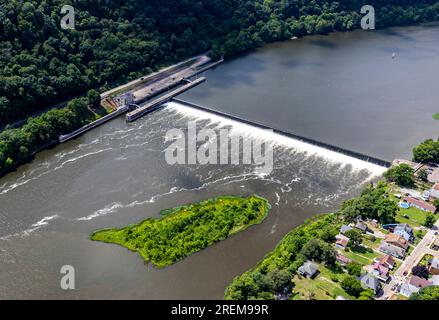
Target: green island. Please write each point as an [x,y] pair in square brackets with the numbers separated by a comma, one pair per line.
[436,116]
[187,229]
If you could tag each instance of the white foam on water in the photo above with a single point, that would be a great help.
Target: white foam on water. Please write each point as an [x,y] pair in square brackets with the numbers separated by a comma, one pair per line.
[37,225]
[277,139]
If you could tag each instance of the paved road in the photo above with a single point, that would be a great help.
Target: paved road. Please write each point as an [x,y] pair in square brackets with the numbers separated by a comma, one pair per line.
[412,260]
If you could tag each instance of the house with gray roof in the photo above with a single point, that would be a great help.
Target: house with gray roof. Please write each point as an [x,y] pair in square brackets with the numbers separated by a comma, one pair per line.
[308,269]
[407,289]
[360,225]
[369,281]
[345,228]
[405,231]
[392,250]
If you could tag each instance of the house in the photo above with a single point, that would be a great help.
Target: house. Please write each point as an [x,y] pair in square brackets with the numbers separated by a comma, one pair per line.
[308,269]
[420,204]
[404,230]
[419,282]
[434,192]
[342,241]
[407,290]
[345,228]
[435,280]
[387,261]
[360,225]
[434,266]
[379,271]
[342,259]
[369,281]
[392,250]
[426,195]
[396,240]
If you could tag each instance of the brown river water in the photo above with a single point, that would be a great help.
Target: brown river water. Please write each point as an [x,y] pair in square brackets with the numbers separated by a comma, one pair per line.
[344,89]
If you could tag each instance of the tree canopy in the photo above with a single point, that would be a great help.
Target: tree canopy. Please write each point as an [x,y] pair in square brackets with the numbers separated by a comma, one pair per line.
[42,64]
[427,293]
[402,174]
[427,152]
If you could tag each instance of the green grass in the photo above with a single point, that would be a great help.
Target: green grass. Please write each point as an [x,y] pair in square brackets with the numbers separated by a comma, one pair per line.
[436,116]
[363,258]
[322,286]
[184,230]
[416,216]
[424,260]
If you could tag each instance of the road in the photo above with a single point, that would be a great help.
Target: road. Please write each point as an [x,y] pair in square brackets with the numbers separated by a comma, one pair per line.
[412,260]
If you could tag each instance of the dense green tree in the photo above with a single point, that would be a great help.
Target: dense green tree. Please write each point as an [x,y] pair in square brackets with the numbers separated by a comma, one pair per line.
[430,219]
[423,175]
[427,151]
[427,293]
[373,203]
[281,279]
[354,269]
[328,234]
[420,271]
[355,237]
[42,64]
[94,98]
[351,285]
[403,175]
[366,295]
[318,250]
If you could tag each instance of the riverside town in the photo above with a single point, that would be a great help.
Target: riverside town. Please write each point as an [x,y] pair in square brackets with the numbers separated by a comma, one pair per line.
[216,158]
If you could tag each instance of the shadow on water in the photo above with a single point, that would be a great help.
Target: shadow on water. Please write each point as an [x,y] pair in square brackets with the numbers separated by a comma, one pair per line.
[323,43]
[294,64]
[251,66]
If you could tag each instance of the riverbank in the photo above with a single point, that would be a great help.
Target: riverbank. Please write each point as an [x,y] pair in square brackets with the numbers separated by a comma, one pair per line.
[344,248]
[249,38]
[187,229]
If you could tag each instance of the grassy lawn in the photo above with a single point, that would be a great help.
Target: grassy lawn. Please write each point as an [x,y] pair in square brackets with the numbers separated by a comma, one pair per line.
[399,297]
[364,258]
[424,260]
[416,216]
[436,116]
[321,286]
[372,243]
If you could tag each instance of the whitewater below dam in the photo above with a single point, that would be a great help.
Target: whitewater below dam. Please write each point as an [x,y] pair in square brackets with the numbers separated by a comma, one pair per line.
[116,174]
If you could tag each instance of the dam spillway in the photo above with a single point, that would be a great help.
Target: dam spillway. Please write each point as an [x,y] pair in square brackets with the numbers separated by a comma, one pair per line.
[324,145]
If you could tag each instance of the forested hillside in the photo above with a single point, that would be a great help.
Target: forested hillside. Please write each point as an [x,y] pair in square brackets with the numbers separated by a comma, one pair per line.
[41,64]
[117,40]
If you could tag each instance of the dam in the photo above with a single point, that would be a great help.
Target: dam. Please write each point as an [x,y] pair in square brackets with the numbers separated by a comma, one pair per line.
[334,148]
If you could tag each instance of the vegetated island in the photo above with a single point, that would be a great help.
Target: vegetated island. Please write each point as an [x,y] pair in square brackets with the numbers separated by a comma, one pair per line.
[187,229]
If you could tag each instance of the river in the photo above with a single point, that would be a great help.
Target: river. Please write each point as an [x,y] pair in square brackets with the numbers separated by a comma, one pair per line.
[344,89]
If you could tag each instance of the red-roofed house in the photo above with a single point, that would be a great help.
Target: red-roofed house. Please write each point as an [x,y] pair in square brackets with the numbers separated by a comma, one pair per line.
[434,192]
[396,240]
[387,261]
[380,271]
[420,204]
[419,282]
[342,241]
